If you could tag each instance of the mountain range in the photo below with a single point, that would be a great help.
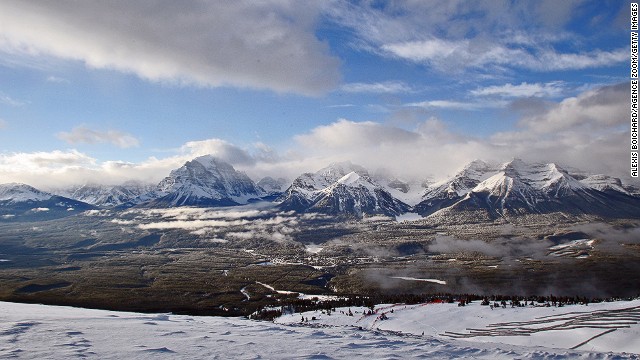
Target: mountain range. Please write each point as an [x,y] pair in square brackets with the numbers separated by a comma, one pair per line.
[518,188]
[20,201]
[490,191]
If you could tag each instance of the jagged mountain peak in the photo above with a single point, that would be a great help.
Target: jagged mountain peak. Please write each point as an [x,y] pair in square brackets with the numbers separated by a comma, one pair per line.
[340,189]
[204,181]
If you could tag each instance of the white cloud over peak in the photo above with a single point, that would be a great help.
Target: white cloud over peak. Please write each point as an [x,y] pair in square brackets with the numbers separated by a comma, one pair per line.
[265,45]
[82,134]
[219,148]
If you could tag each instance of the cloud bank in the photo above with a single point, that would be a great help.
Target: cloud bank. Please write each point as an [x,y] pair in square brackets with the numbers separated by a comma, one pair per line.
[264,45]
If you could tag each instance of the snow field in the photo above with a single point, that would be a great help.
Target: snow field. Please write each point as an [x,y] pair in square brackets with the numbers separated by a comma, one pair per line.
[49,332]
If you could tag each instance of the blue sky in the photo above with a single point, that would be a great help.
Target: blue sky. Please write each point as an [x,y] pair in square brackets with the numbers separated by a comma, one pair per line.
[118,90]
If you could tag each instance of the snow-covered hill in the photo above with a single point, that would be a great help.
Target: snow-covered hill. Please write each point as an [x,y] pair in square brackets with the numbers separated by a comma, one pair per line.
[29,331]
[24,202]
[340,189]
[203,181]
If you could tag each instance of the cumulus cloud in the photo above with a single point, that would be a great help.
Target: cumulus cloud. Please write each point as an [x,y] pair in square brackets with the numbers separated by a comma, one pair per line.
[82,134]
[596,109]
[348,134]
[266,45]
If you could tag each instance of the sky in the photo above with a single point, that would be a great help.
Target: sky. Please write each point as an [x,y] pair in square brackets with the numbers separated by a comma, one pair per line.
[109,91]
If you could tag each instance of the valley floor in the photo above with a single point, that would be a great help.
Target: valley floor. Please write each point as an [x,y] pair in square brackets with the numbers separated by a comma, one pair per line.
[38,331]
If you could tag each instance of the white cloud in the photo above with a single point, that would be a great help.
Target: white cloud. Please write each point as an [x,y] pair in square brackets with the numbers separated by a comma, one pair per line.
[266,45]
[56,79]
[447,55]
[3,124]
[389,87]
[596,109]
[550,89]
[82,134]
[220,148]
[44,160]
[459,105]
[488,37]
[8,100]
[348,134]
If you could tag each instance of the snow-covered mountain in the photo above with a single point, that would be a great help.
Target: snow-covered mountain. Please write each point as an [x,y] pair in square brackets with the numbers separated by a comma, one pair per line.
[446,193]
[340,189]
[273,187]
[407,190]
[106,195]
[518,188]
[24,202]
[203,181]
[15,193]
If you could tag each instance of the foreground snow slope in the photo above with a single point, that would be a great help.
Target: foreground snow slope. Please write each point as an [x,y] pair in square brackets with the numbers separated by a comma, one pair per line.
[38,332]
[601,327]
